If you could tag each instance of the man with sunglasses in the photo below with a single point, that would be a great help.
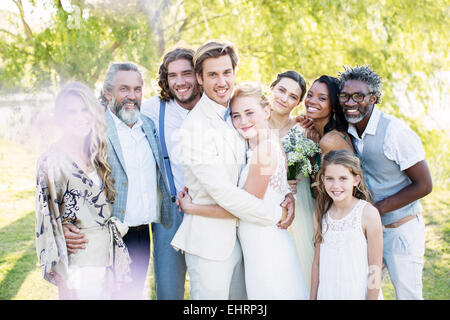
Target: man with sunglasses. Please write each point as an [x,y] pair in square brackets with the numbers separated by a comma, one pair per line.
[393,161]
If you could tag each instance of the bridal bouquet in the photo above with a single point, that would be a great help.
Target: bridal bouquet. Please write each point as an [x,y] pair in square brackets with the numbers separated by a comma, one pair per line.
[298,151]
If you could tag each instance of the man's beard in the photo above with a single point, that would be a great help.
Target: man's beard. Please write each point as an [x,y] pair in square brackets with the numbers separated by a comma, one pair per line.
[356,119]
[188,99]
[195,92]
[129,116]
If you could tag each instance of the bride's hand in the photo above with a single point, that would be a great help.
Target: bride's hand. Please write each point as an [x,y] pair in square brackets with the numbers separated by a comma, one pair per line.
[184,200]
[180,195]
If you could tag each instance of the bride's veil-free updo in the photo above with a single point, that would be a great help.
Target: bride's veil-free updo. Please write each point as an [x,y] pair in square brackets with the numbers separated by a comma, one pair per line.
[252,89]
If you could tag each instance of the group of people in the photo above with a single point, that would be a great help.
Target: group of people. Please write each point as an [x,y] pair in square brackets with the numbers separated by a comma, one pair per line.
[203,164]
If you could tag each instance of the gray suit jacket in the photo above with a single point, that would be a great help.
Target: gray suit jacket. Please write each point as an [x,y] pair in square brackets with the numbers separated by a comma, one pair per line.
[116,161]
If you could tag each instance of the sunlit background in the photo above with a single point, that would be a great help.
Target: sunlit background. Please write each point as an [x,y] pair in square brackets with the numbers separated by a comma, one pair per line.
[44,44]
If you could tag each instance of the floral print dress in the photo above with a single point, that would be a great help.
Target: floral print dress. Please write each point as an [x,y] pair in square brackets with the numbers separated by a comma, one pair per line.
[67,195]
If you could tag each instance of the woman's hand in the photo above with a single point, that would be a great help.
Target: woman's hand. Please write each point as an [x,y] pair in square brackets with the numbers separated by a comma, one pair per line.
[184,200]
[312,134]
[293,185]
[305,122]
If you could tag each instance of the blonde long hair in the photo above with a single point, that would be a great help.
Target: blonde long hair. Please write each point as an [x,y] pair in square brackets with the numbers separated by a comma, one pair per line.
[324,201]
[96,145]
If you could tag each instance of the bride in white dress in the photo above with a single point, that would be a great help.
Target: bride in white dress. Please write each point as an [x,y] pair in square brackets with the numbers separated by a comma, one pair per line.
[272,266]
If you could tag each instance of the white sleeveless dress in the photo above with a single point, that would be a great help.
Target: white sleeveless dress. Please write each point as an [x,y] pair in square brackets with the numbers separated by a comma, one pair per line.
[272,266]
[343,264]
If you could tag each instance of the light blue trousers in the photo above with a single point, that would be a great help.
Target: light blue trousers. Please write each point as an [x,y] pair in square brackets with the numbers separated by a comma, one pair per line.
[403,255]
[169,266]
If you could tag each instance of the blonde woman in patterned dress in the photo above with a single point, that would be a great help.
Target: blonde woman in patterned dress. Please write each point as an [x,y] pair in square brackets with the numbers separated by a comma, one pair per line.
[74,186]
[272,266]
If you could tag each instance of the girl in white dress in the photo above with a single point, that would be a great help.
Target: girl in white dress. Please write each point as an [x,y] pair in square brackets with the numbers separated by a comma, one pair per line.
[348,233]
[272,266]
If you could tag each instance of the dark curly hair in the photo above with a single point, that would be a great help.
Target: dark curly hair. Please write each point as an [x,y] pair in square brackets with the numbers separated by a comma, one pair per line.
[179,53]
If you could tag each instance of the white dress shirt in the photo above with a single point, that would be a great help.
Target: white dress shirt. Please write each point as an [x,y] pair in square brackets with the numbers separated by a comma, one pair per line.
[173,119]
[140,167]
[401,144]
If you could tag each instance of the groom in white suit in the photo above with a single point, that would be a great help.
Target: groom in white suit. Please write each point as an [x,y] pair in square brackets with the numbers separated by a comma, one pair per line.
[213,154]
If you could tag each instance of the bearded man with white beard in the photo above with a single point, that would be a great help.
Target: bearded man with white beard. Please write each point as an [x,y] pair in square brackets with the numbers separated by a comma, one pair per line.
[135,157]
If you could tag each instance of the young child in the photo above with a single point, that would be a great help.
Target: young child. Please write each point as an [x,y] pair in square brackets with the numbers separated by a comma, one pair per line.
[348,236]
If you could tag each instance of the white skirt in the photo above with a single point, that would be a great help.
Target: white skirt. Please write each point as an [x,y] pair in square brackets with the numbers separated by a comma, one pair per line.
[89,283]
[272,266]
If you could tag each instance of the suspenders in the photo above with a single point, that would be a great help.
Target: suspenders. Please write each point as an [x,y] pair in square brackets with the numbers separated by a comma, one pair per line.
[162,111]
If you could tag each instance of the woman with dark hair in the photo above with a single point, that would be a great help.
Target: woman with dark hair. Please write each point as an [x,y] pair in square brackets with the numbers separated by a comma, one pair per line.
[287,91]
[330,128]
[322,107]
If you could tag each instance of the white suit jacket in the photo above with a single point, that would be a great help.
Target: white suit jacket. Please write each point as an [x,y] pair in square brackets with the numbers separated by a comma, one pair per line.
[212,154]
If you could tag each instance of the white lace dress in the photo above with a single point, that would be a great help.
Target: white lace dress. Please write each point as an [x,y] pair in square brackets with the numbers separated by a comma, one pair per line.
[343,264]
[272,267]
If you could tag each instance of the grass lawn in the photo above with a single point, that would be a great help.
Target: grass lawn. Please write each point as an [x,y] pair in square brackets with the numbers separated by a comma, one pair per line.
[20,276]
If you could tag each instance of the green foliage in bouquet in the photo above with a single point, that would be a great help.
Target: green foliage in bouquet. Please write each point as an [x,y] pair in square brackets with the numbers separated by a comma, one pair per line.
[299,151]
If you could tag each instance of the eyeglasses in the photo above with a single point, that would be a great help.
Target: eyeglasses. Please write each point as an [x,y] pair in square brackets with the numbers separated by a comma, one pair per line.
[357,96]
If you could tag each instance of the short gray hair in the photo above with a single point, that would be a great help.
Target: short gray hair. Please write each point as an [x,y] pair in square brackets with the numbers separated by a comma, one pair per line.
[110,78]
[364,74]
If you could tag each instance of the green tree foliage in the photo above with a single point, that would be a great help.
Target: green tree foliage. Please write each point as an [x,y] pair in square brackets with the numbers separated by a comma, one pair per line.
[80,42]
[406,42]
[398,38]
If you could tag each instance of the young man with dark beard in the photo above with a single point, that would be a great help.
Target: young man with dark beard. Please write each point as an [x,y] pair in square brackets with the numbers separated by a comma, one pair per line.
[179,93]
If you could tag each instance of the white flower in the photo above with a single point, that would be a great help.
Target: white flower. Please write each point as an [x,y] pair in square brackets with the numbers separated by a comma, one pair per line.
[299,150]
